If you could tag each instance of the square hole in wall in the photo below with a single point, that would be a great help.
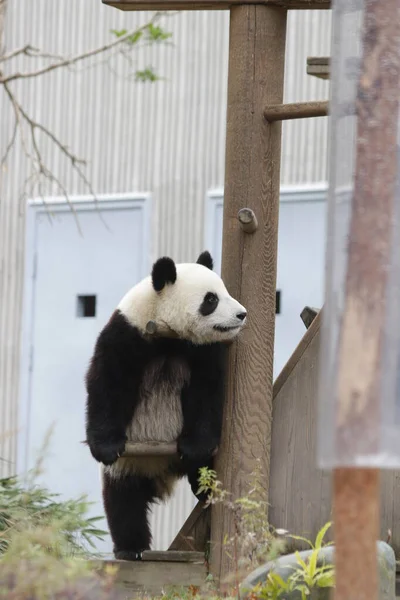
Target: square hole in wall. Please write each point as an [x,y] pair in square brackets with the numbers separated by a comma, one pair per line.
[278,302]
[86,306]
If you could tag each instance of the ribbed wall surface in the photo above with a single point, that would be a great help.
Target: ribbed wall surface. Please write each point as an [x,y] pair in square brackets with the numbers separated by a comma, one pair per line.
[304,141]
[167,138]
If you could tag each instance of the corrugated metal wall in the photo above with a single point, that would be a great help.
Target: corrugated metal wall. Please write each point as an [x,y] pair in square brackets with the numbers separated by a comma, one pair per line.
[167,138]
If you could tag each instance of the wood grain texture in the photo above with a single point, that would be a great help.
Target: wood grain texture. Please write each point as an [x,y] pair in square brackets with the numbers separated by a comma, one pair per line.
[296,110]
[150,449]
[356,519]
[253,147]
[154,577]
[181,556]
[294,359]
[301,494]
[212,4]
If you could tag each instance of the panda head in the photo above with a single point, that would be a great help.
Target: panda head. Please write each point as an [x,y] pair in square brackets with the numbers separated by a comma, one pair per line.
[187,300]
[193,301]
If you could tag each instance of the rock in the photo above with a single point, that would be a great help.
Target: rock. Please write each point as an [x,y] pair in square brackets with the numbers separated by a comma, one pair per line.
[284,567]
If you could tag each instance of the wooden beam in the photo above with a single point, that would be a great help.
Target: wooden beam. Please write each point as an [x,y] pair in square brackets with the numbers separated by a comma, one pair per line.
[298,110]
[213,4]
[252,170]
[157,572]
[149,449]
[195,532]
[182,556]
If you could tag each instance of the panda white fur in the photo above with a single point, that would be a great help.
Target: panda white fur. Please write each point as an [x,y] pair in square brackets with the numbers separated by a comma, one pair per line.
[161,387]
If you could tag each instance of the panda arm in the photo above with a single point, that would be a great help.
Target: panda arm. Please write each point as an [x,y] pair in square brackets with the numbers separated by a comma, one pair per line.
[112,384]
[202,405]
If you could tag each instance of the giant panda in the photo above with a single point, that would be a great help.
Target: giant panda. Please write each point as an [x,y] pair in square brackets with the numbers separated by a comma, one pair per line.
[156,374]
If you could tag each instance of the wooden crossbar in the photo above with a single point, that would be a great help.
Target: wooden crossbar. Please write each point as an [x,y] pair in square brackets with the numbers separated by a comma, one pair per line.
[149,449]
[297,110]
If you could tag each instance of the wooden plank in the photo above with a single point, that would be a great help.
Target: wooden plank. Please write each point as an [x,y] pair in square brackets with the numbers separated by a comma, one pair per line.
[195,532]
[154,578]
[149,449]
[296,485]
[296,110]
[319,66]
[253,147]
[181,556]
[213,4]
[294,359]
[300,493]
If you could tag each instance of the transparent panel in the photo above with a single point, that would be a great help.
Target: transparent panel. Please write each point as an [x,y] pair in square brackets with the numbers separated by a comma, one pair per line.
[359,379]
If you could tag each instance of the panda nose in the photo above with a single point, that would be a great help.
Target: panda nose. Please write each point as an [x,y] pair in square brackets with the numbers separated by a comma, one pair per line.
[241,316]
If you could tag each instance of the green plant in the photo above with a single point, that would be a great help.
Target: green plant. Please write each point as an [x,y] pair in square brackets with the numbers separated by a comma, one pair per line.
[151,33]
[253,541]
[46,543]
[306,576]
[26,508]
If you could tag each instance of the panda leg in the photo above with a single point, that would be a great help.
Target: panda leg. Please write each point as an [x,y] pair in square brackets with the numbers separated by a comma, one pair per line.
[126,502]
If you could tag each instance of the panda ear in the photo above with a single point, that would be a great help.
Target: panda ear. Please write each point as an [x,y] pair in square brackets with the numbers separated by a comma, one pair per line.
[164,271]
[206,260]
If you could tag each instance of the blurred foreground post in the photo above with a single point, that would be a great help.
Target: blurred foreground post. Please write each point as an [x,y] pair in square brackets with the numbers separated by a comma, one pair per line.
[359,388]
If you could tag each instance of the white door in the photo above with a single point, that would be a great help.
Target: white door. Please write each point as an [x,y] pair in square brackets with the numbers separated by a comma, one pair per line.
[301,259]
[74,282]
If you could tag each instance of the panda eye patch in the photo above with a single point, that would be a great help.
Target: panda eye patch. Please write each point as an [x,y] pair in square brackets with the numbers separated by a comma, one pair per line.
[209,304]
[211,298]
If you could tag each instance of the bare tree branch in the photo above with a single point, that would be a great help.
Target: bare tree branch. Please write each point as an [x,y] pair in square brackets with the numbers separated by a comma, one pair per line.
[20,112]
[27,127]
[64,62]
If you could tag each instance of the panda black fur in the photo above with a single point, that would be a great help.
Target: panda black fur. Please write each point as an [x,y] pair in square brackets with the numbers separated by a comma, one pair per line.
[162,387]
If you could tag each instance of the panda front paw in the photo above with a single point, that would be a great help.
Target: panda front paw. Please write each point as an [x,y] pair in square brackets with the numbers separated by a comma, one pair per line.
[107,451]
[192,453]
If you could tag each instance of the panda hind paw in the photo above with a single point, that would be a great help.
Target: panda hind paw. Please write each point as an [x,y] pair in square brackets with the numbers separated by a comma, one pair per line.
[131,555]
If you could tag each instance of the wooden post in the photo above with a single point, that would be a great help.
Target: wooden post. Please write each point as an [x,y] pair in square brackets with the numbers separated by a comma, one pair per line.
[253,148]
[359,404]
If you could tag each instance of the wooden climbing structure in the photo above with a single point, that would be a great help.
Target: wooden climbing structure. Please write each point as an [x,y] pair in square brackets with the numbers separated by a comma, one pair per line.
[299,494]
[249,254]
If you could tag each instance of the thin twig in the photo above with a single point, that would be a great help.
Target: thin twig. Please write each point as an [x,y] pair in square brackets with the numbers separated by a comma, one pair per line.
[73,60]
[30,51]
[17,113]
[10,144]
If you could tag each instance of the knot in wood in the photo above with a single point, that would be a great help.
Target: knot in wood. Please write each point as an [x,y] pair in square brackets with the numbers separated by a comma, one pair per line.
[247,220]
